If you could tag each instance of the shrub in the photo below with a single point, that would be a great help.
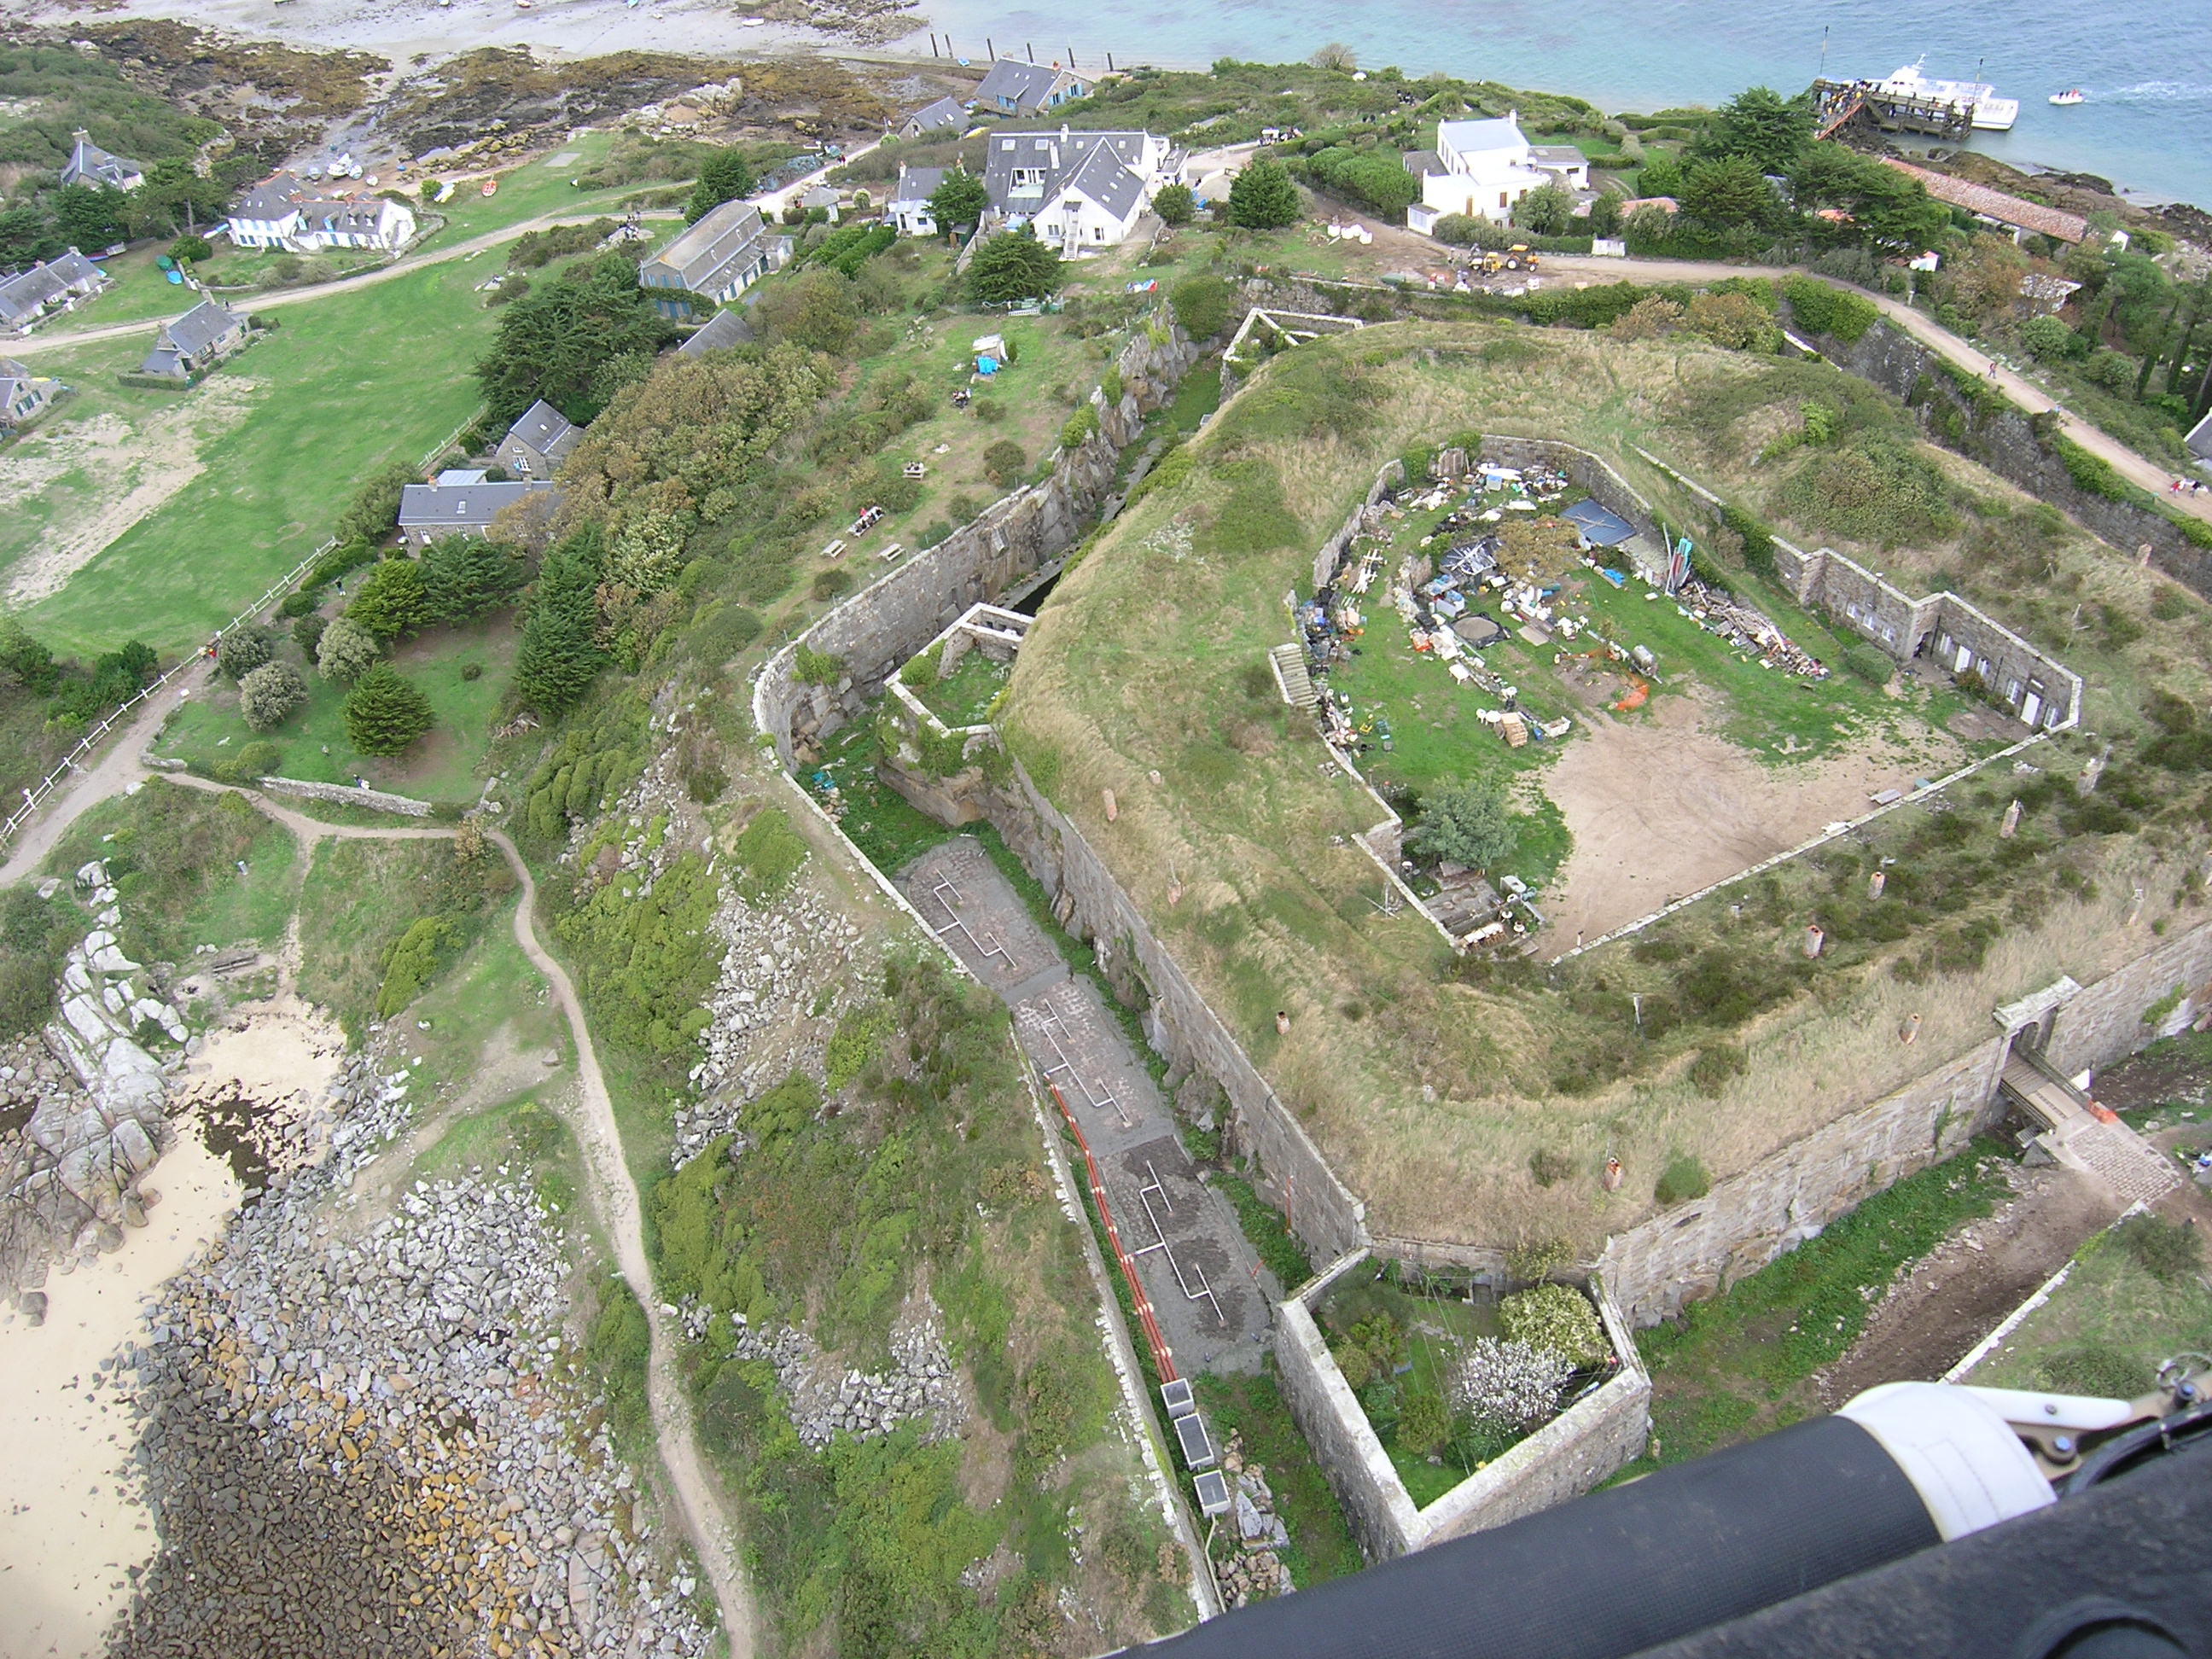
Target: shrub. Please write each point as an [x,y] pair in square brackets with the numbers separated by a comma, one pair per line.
[2167,1250]
[241,651]
[1203,305]
[1175,204]
[813,667]
[307,633]
[1509,1383]
[254,759]
[298,603]
[1424,1422]
[269,693]
[1869,663]
[386,712]
[859,1038]
[833,583]
[1555,1319]
[1878,491]
[345,651]
[768,853]
[414,962]
[1821,309]
[1711,1070]
[2048,338]
[1469,824]
[1080,425]
[1262,197]
[1004,463]
[1683,1179]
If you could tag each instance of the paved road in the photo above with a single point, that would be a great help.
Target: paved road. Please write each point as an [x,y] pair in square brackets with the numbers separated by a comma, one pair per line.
[614,1194]
[2030,397]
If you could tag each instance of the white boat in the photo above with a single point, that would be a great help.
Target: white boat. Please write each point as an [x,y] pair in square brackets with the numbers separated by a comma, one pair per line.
[2072,95]
[1990,112]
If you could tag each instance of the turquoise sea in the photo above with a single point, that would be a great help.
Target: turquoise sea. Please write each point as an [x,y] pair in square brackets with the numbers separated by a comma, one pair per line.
[2145,65]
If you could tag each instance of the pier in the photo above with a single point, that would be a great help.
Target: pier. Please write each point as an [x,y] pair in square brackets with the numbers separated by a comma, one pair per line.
[1838,103]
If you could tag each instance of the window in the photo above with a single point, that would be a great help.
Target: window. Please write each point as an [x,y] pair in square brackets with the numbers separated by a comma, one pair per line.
[1501,201]
[1097,233]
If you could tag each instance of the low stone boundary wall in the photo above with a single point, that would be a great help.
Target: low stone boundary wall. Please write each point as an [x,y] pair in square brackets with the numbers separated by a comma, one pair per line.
[406,806]
[1570,1455]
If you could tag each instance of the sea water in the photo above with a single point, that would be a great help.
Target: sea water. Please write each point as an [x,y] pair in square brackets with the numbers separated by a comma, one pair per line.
[2146,65]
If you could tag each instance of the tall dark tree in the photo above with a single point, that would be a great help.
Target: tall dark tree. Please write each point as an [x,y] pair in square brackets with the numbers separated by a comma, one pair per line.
[1012,266]
[560,654]
[723,177]
[960,201]
[464,577]
[1726,193]
[91,217]
[175,198]
[385,713]
[1263,197]
[1761,125]
[556,341]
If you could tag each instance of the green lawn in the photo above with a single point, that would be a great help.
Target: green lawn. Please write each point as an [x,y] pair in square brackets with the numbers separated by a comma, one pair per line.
[965,696]
[440,766]
[526,192]
[139,290]
[347,384]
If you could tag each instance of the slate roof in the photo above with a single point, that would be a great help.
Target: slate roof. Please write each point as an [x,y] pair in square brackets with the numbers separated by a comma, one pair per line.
[461,505]
[196,332]
[731,237]
[1996,204]
[21,296]
[1423,162]
[1063,157]
[89,164]
[284,192]
[1107,180]
[1027,85]
[944,113]
[722,330]
[918,184]
[2200,438]
[544,430]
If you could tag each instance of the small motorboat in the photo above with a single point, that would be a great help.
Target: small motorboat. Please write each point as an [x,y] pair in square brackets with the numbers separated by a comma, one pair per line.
[491,187]
[2070,96]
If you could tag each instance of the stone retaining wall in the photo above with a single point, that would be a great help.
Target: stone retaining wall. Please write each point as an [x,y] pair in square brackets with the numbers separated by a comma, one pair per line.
[889,621]
[1565,1458]
[1746,1221]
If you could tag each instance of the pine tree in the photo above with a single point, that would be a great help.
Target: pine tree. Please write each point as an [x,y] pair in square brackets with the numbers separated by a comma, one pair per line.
[385,713]
[723,177]
[560,654]
[960,200]
[1262,197]
[1013,265]
[464,577]
[392,601]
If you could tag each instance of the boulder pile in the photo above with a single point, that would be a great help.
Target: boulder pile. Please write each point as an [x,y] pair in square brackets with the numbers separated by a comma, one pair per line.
[375,1441]
[826,1400]
[1253,1571]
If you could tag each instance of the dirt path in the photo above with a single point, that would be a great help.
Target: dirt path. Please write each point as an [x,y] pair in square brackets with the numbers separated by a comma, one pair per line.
[1953,1298]
[705,1518]
[614,1194]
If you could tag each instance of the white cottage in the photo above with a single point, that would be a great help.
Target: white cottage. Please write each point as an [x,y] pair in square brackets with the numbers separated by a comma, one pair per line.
[1481,169]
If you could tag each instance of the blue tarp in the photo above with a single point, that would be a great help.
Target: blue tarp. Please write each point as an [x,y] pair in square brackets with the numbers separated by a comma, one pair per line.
[1599,527]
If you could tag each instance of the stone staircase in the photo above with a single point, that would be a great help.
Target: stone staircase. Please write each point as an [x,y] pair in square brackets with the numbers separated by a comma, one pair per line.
[1290,677]
[2084,1136]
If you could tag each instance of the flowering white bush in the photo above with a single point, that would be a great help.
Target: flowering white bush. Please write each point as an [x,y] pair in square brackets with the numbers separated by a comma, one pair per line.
[1507,1383]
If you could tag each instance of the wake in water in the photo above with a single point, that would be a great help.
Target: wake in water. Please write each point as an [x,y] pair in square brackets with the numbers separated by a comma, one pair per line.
[2151,92]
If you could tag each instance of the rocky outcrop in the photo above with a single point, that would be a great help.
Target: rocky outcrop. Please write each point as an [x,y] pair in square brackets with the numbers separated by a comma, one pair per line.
[826,1400]
[68,1176]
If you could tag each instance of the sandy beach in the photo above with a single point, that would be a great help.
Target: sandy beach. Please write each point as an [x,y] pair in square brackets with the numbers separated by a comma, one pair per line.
[71,1529]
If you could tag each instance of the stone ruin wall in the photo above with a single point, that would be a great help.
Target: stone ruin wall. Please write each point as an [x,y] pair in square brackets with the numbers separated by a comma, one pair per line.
[1018,535]
[1565,1458]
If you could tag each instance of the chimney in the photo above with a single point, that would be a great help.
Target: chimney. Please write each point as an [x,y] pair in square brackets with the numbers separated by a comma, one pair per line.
[1063,132]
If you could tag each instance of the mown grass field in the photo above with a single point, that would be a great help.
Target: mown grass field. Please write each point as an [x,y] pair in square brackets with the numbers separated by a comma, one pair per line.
[1434,1090]
[441,765]
[348,385]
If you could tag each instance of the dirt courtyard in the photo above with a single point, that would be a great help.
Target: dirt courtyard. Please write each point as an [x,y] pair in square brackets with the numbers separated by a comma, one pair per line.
[1661,807]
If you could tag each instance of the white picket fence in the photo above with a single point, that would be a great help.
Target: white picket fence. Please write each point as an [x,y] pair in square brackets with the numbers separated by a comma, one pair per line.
[86,745]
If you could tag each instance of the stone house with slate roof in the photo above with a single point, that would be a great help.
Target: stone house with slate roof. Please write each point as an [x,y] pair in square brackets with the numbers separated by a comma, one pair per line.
[56,285]
[284,212]
[536,445]
[461,503]
[1078,190]
[944,116]
[23,396]
[195,342]
[719,257]
[1012,88]
[89,164]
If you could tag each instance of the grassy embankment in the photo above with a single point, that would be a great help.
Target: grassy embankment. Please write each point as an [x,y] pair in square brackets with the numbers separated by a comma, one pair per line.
[1144,665]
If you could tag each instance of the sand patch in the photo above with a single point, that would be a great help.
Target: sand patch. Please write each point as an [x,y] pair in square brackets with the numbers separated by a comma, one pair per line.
[1661,807]
[71,1523]
[260,1086]
[134,471]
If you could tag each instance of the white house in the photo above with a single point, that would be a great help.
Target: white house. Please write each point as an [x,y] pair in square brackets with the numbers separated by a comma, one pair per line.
[909,207]
[283,212]
[1481,169]
[1079,190]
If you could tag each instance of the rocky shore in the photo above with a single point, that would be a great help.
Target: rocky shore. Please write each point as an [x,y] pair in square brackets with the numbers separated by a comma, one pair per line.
[374,1439]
